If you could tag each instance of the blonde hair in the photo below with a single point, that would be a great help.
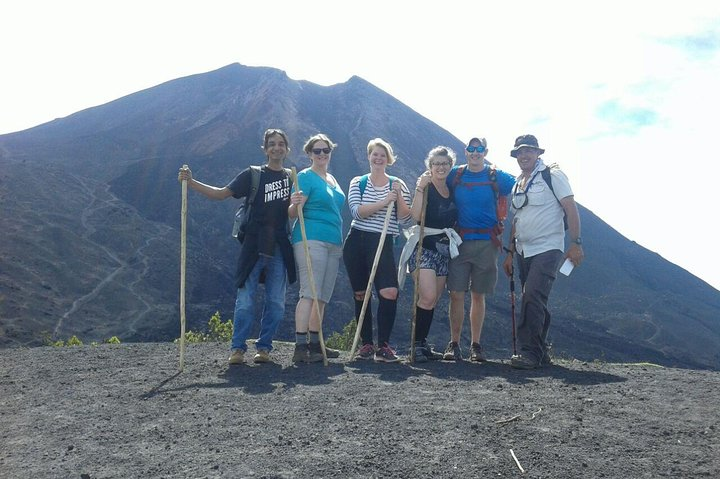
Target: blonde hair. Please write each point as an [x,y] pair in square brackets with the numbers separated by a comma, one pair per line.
[384,145]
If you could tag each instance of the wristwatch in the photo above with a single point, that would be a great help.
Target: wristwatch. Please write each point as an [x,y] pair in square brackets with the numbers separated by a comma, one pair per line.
[577,240]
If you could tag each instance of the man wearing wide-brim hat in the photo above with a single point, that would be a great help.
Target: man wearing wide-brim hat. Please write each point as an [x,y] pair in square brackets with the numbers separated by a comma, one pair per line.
[542,201]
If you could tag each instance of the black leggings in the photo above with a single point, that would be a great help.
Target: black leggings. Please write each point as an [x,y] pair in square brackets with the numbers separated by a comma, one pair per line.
[358,255]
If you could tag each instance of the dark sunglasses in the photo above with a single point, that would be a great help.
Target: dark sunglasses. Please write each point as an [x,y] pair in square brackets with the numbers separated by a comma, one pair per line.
[317,151]
[472,149]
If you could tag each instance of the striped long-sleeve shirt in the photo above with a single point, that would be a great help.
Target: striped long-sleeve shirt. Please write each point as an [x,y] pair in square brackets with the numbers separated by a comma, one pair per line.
[374,194]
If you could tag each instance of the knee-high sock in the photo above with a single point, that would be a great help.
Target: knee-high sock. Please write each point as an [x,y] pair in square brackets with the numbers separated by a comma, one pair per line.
[366,333]
[423,319]
[386,319]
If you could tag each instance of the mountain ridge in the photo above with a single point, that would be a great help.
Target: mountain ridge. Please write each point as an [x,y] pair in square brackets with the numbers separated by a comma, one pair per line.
[95,194]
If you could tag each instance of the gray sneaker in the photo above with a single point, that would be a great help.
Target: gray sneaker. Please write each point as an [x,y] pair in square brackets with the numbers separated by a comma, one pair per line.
[453,352]
[476,353]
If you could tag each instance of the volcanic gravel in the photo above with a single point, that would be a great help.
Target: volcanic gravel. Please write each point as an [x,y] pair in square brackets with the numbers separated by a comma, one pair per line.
[125,411]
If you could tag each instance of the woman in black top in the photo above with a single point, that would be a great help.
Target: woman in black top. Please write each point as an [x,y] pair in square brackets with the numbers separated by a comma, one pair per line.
[440,217]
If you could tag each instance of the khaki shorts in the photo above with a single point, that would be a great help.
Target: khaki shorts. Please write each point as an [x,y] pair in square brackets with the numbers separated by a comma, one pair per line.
[325,263]
[475,268]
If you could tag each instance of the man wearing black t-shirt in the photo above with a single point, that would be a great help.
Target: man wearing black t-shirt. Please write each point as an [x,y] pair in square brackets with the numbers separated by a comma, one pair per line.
[266,254]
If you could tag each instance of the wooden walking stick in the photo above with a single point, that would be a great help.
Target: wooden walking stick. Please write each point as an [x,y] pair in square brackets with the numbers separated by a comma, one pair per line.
[368,290]
[183,248]
[308,260]
[418,256]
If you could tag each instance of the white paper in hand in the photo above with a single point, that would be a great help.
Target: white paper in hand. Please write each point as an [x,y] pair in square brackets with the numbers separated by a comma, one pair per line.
[567,267]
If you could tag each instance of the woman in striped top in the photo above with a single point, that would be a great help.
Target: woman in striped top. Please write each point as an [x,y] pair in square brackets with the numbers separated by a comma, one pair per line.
[369,197]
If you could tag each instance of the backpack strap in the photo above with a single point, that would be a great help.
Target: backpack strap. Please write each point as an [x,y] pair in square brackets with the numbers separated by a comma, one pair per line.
[547,177]
[362,184]
[254,184]
[458,174]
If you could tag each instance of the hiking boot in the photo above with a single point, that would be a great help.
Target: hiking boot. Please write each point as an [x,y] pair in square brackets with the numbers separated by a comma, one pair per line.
[301,353]
[237,356]
[314,353]
[366,351]
[476,353]
[420,355]
[452,352]
[430,353]
[331,353]
[521,362]
[386,354]
[262,356]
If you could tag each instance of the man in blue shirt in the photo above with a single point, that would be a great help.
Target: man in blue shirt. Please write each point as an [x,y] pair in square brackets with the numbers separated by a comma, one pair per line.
[480,193]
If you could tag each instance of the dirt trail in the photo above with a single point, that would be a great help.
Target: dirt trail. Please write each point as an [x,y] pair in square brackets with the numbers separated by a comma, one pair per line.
[101,199]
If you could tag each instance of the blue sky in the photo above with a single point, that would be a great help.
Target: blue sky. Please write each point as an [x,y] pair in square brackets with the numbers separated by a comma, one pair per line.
[622,94]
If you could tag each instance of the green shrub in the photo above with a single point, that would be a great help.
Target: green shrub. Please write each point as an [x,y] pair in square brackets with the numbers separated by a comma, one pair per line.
[344,340]
[74,341]
[113,340]
[218,331]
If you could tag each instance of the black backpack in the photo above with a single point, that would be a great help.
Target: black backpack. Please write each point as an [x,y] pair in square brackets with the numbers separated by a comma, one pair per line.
[242,215]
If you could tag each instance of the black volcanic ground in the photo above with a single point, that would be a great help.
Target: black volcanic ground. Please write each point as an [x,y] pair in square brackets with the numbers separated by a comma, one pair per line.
[124,411]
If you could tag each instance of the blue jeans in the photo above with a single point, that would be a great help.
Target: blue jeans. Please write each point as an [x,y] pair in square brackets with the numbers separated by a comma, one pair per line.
[273,308]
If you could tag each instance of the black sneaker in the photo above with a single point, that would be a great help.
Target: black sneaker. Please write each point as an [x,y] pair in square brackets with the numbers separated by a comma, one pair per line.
[430,353]
[331,353]
[476,353]
[452,352]
[521,362]
[420,355]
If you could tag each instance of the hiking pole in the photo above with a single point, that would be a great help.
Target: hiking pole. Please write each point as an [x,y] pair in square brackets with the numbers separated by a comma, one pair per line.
[371,279]
[512,303]
[311,278]
[416,293]
[183,249]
